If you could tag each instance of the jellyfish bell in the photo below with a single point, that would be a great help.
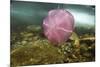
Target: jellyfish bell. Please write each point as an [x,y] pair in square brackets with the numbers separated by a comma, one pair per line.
[58,25]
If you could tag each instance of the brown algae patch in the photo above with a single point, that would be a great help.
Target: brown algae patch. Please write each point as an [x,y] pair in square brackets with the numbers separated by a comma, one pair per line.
[39,52]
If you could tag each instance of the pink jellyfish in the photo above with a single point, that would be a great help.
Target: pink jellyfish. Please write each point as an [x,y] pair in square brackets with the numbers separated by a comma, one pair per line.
[58,25]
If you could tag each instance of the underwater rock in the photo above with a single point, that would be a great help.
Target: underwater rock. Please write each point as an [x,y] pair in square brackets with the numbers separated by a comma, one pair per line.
[58,25]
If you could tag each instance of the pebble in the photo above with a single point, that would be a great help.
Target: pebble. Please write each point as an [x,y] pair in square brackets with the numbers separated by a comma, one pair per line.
[24,42]
[18,43]
[25,38]
[30,39]
[29,34]
[30,43]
